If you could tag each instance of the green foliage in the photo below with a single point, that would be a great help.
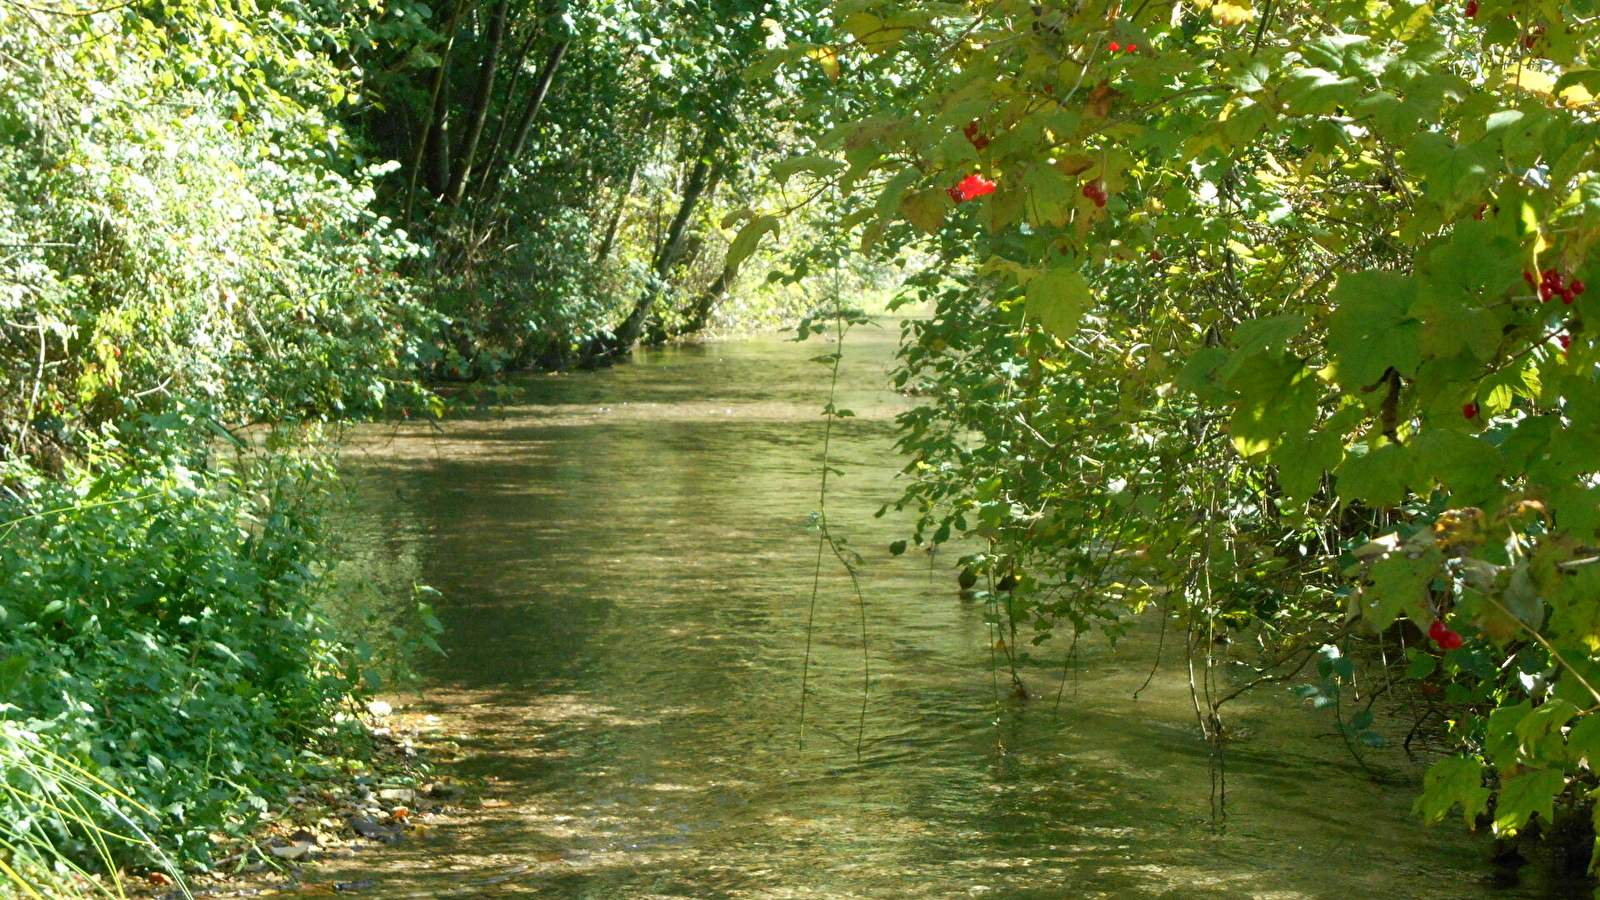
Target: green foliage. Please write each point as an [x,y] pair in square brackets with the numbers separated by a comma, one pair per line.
[189,253]
[1329,365]
[161,626]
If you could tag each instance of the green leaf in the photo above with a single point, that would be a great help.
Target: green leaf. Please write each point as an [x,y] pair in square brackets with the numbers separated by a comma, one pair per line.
[1371,329]
[1453,172]
[748,238]
[1399,584]
[1057,300]
[821,166]
[1303,461]
[1452,781]
[1277,397]
[1524,796]
[1468,466]
[1376,478]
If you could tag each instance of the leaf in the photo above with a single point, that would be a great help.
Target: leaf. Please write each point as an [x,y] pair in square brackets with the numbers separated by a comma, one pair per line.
[872,33]
[1303,461]
[1198,376]
[746,241]
[1452,781]
[1452,172]
[1371,328]
[1539,732]
[828,59]
[1277,397]
[1524,796]
[1468,466]
[1269,333]
[1376,478]
[1399,584]
[1057,300]
[814,164]
[926,209]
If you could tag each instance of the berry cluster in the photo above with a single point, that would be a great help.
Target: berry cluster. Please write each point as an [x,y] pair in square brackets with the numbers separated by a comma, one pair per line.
[974,133]
[972,186]
[1553,284]
[1095,192]
[1115,47]
[1472,9]
[1443,636]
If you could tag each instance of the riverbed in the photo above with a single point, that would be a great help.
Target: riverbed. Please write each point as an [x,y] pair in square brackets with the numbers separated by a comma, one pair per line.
[626,560]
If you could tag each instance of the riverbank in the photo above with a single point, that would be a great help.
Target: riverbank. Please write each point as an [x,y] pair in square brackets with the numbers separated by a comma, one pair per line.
[402,791]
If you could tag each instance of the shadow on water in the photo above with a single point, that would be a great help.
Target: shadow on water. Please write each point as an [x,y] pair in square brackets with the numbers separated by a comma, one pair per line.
[626,564]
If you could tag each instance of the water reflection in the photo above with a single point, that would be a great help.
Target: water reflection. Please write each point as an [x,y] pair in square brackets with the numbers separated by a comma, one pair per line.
[626,565]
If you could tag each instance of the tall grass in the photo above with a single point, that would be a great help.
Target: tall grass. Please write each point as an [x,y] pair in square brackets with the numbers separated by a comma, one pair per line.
[49,806]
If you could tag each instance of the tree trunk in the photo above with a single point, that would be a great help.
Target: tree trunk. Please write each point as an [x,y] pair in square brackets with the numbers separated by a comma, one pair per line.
[425,136]
[437,166]
[479,114]
[610,240]
[541,89]
[700,313]
[493,153]
[694,188]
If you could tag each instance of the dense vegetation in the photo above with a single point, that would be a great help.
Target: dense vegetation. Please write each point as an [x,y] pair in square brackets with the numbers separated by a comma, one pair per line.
[228,227]
[1274,316]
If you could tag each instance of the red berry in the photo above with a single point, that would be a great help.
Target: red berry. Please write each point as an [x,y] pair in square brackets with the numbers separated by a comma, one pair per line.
[1565,340]
[1438,629]
[360,271]
[1113,46]
[1449,640]
[1577,285]
[1470,410]
[1567,297]
[1528,277]
[1132,48]
[1155,256]
[1100,200]
[973,185]
[1089,190]
[1472,9]
[975,135]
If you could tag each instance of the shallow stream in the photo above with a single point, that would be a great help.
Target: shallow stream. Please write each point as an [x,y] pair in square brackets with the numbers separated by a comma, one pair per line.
[626,562]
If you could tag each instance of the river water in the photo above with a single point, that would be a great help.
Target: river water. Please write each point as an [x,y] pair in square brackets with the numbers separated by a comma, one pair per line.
[626,560]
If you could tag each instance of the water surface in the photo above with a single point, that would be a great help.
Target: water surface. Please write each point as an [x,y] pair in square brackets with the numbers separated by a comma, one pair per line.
[627,560]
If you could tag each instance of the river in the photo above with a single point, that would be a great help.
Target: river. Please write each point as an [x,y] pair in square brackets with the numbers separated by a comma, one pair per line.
[626,564]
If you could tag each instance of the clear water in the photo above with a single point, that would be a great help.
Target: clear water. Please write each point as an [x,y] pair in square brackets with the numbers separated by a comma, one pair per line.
[627,563]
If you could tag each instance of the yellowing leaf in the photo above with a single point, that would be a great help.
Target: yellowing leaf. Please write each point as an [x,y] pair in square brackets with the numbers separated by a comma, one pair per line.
[926,209]
[828,59]
[1231,14]
[745,242]
[1532,81]
[1057,300]
[871,32]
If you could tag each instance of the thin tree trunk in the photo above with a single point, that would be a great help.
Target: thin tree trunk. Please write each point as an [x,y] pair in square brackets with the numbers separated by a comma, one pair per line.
[661,266]
[700,313]
[610,240]
[437,166]
[541,89]
[479,115]
[425,134]
[493,152]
